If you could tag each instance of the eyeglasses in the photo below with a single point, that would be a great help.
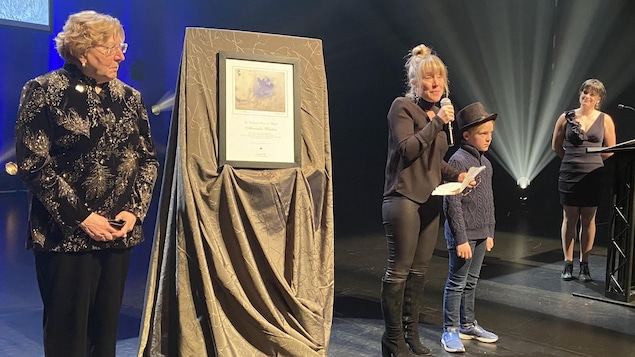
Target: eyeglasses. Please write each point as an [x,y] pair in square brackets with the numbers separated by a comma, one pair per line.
[109,51]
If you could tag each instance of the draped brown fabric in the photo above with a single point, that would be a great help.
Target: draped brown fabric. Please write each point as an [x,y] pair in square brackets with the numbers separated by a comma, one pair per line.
[242,260]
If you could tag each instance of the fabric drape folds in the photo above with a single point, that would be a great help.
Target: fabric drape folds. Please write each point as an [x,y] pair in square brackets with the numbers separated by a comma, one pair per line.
[242,261]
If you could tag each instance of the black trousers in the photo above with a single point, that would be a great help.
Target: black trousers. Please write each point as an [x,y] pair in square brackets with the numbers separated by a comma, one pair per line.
[411,234]
[82,295]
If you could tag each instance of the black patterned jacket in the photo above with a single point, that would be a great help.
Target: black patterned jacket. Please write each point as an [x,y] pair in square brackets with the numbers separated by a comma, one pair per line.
[80,151]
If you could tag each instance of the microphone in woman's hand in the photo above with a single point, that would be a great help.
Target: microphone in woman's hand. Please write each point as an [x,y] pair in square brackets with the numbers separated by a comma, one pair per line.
[446,101]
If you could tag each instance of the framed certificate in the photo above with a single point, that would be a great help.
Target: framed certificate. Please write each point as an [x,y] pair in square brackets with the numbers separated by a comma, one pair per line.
[259,111]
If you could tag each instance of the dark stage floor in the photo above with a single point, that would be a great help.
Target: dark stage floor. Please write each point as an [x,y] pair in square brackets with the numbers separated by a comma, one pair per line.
[520,296]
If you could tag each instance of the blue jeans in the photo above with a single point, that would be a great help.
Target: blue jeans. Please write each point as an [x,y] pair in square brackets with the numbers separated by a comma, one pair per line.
[460,288]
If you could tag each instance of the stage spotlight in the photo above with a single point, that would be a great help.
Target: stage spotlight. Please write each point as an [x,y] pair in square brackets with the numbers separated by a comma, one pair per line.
[11,168]
[166,102]
[527,75]
[523,182]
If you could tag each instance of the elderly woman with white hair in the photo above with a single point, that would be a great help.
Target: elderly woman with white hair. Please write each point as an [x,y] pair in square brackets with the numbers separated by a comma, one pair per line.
[86,155]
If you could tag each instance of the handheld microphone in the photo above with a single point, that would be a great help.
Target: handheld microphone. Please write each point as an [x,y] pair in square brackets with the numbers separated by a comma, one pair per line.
[622,106]
[446,101]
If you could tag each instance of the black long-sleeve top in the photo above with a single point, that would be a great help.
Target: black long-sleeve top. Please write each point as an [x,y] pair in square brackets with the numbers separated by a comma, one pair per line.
[416,147]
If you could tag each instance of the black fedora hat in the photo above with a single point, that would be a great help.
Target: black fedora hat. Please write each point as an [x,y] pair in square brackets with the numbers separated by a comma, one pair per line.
[473,114]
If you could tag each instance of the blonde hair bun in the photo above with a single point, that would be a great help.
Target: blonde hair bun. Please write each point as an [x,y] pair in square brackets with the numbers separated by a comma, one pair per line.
[421,50]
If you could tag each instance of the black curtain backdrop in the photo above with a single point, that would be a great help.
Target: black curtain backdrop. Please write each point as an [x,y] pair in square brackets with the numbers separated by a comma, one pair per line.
[364,42]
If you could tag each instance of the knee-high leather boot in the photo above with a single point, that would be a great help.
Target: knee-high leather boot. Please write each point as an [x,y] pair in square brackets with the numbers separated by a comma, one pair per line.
[412,304]
[393,343]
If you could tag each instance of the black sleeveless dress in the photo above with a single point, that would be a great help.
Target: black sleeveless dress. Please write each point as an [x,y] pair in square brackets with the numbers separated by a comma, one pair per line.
[581,177]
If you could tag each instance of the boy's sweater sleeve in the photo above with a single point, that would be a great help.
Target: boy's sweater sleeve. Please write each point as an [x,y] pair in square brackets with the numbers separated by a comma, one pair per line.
[453,210]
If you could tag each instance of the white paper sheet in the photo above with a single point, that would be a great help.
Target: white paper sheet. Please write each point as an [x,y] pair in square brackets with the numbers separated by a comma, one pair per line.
[454,188]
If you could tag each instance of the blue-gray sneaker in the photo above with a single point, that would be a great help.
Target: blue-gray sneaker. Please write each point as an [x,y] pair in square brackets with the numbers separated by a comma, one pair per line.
[476,332]
[451,341]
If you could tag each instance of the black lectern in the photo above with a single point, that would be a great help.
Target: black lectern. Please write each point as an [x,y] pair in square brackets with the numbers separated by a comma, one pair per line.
[619,284]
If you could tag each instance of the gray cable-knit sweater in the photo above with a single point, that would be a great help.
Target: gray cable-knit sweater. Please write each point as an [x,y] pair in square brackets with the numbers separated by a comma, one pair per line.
[470,214]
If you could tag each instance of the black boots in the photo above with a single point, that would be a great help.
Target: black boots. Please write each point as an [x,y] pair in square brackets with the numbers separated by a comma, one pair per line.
[585,275]
[412,305]
[567,272]
[393,343]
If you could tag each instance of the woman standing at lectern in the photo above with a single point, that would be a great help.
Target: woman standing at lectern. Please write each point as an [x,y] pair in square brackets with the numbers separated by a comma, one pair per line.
[581,173]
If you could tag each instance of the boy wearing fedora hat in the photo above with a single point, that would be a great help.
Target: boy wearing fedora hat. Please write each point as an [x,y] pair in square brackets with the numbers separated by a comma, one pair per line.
[469,230]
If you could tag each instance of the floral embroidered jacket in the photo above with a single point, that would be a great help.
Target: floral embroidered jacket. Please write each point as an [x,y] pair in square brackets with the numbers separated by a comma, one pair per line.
[80,151]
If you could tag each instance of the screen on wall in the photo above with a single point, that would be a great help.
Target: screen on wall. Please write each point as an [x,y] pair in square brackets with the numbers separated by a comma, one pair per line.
[34,14]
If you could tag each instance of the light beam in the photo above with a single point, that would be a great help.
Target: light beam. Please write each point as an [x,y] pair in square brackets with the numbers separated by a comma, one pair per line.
[525,60]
